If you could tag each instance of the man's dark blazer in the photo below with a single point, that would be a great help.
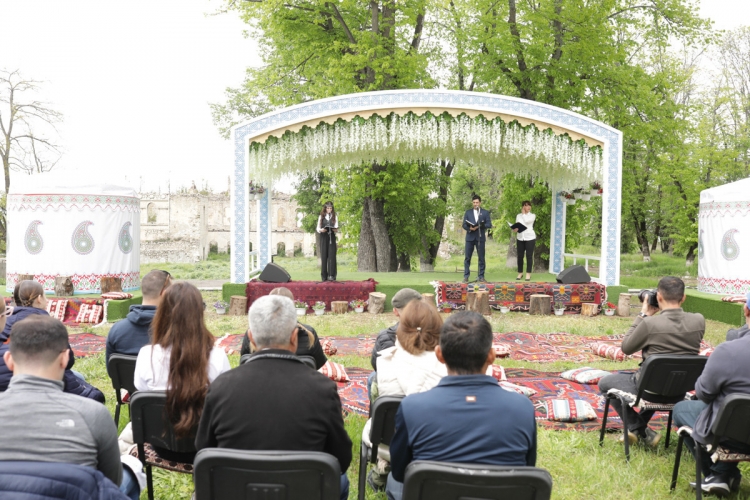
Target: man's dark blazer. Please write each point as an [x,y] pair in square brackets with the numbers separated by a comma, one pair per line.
[274,404]
[485,222]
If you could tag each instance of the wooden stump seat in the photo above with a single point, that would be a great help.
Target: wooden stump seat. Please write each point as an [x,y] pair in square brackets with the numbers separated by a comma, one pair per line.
[540,304]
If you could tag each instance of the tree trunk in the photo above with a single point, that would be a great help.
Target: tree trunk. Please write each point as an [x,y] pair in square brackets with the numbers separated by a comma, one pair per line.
[427,259]
[366,261]
[404,263]
[511,257]
[690,259]
[385,257]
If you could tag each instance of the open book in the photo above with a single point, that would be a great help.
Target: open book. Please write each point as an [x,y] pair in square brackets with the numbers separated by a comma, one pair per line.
[521,228]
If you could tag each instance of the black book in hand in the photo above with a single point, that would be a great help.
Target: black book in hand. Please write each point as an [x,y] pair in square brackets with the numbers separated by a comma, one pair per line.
[521,228]
[472,224]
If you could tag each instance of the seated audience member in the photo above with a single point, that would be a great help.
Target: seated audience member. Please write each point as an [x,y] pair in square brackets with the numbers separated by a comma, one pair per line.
[41,422]
[30,302]
[672,331]
[736,333]
[727,372]
[132,333]
[181,359]
[275,401]
[387,338]
[497,427]
[411,366]
[308,343]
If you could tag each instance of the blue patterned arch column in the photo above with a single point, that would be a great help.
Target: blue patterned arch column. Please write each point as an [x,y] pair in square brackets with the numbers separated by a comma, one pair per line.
[436,101]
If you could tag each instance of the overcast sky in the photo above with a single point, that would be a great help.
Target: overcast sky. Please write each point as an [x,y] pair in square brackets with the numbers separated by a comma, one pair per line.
[134,80]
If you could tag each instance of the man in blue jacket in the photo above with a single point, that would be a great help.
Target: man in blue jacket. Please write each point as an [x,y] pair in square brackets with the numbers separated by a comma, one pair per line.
[129,335]
[476,220]
[467,418]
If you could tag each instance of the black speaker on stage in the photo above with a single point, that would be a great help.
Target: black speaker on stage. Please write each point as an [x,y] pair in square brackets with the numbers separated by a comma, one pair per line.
[274,273]
[573,274]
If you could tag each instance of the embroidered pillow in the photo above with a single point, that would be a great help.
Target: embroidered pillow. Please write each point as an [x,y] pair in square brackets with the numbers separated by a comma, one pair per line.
[524,391]
[569,410]
[501,350]
[56,308]
[328,348]
[497,372]
[706,352]
[117,295]
[584,375]
[90,313]
[608,351]
[334,371]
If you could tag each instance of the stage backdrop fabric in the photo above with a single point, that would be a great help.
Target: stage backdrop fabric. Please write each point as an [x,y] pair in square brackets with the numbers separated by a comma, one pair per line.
[85,232]
[724,239]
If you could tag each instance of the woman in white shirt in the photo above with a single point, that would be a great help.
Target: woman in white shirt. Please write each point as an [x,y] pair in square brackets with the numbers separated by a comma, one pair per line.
[181,358]
[525,240]
[328,226]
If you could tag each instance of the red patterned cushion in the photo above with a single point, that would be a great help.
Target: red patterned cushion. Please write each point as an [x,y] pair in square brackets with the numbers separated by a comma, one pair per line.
[497,372]
[89,313]
[706,351]
[520,389]
[569,410]
[584,375]
[153,459]
[608,351]
[56,308]
[335,371]
[501,350]
[117,295]
[329,349]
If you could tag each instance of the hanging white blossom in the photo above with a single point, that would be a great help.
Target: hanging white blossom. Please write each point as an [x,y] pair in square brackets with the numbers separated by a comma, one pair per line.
[483,143]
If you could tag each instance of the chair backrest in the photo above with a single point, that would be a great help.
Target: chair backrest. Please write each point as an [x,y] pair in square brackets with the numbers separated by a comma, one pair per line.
[669,376]
[427,480]
[151,424]
[383,421]
[121,369]
[226,474]
[731,421]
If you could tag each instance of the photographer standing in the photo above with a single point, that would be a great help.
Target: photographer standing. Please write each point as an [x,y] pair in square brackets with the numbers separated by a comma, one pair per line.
[673,331]
[328,226]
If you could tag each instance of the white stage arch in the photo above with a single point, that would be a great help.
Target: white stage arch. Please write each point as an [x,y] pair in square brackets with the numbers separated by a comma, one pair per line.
[437,102]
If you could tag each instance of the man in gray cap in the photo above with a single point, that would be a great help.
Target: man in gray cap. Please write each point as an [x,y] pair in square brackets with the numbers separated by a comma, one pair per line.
[387,338]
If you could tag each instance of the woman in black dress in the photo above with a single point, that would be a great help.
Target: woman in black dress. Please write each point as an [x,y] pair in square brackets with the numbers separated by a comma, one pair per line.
[328,226]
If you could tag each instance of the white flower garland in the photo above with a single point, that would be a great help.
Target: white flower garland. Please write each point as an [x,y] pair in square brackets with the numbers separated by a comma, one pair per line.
[479,142]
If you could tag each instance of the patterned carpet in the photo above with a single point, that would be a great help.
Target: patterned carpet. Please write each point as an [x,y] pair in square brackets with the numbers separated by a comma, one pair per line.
[312,291]
[87,344]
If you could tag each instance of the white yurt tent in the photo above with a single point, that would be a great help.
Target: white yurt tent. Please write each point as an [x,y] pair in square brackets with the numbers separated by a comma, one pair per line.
[85,232]
[724,239]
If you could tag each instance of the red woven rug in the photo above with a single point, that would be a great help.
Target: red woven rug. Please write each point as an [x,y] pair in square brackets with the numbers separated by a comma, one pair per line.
[313,291]
[361,346]
[87,344]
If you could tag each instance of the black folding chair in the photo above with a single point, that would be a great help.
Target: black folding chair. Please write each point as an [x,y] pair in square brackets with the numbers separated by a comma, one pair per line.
[382,426]
[224,474]
[308,360]
[152,428]
[731,423]
[663,377]
[121,369]
[426,480]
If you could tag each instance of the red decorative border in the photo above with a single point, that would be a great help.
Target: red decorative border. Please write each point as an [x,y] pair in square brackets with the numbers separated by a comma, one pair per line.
[20,202]
[723,286]
[722,208]
[82,283]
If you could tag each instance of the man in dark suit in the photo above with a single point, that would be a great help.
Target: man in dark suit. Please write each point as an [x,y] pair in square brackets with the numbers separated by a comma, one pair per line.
[475,222]
[274,401]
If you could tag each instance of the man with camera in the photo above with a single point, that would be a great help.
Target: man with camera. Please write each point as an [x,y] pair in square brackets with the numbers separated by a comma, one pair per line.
[672,331]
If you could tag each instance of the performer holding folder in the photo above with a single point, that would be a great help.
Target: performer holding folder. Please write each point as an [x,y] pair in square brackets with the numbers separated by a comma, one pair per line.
[525,238]
[476,220]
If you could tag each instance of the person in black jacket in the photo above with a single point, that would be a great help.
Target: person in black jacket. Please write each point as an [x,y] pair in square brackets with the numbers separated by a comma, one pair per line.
[31,301]
[129,335]
[274,401]
[308,343]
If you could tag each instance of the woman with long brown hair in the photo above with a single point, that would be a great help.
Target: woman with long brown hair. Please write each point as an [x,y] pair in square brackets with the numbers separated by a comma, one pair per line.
[181,358]
[328,226]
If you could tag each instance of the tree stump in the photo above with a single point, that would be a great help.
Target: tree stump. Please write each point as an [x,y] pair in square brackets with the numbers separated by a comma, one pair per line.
[111,284]
[478,302]
[25,277]
[237,305]
[540,304]
[623,305]
[339,306]
[63,286]
[376,303]
[430,299]
[589,309]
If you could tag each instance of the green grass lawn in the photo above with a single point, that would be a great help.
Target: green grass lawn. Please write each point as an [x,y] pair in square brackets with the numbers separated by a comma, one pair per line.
[579,467]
